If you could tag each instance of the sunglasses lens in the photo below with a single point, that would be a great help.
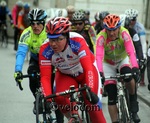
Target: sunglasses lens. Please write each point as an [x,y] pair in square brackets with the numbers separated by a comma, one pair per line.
[37,23]
[78,23]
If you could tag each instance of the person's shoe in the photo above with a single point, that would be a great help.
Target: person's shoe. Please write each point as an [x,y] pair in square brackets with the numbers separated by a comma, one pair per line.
[136,118]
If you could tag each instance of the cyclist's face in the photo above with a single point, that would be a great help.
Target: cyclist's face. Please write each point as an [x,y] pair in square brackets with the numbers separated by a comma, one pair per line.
[58,44]
[70,15]
[113,34]
[79,25]
[37,27]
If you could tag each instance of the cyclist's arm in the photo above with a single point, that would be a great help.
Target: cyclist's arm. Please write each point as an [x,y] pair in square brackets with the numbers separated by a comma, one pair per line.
[137,44]
[87,60]
[100,52]
[142,34]
[129,48]
[22,50]
[92,34]
[45,72]
[9,13]
[144,45]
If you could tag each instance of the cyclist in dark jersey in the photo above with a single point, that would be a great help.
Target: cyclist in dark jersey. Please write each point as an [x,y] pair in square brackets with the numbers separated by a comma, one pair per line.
[135,38]
[99,16]
[4,11]
[81,26]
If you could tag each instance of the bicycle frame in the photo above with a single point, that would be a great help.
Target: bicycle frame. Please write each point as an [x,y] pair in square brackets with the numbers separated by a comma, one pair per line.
[121,96]
[123,113]
[75,117]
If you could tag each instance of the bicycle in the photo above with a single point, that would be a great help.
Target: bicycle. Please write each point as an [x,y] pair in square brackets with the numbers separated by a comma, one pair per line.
[76,99]
[123,101]
[3,35]
[42,116]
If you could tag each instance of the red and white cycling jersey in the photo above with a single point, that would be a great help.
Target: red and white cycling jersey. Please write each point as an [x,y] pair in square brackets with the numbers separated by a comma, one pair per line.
[75,60]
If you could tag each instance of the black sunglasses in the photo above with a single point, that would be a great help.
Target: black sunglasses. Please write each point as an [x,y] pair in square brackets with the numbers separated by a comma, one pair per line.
[133,19]
[78,23]
[36,22]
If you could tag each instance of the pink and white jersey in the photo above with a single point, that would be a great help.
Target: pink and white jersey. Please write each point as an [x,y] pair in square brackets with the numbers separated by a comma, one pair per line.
[113,52]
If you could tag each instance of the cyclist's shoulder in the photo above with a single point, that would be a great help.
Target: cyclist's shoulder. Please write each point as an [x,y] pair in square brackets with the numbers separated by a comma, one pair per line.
[139,27]
[46,50]
[75,36]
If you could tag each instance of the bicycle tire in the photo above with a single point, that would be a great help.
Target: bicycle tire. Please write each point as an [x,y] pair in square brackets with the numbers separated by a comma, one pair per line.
[37,107]
[123,109]
[128,104]
[43,117]
[84,113]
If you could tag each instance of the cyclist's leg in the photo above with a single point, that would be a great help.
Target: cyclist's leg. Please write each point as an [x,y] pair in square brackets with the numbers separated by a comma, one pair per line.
[95,111]
[34,83]
[110,85]
[112,98]
[59,114]
[16,38]
[131,86]
[63,82]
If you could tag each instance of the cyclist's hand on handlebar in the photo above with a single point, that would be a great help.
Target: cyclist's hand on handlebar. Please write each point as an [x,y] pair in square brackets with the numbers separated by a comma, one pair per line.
[102,77]
[142,64]
[18,76]
[49,106]
[136,74]
[94,98]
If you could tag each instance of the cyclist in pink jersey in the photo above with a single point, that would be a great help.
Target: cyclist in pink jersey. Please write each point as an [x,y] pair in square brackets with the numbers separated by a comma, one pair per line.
[75,64]
[115,52]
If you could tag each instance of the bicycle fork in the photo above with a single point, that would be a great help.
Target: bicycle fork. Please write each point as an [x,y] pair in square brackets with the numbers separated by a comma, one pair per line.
[121,94]
[75,117]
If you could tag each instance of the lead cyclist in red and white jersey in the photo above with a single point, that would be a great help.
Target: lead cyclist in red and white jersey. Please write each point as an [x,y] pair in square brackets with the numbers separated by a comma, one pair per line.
[75,63]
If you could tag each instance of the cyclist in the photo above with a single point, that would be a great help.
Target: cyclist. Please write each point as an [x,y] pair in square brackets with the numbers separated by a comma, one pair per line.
[31,39]
[148,67]
[23,21]
[4,11]
[75,64]
[135,38]
[61,13]
[70,10]
[139,28]
[15,11]
[99,17]
[80,26]
[115,51]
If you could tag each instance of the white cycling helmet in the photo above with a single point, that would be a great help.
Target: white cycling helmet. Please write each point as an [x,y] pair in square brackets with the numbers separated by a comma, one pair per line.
[19,3]
[61,13]
[125,21]
[122,18]
[3,3]
[131,13]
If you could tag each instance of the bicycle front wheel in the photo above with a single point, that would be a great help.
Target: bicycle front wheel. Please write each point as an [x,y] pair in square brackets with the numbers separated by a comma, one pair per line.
[41,115]
[123,110]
